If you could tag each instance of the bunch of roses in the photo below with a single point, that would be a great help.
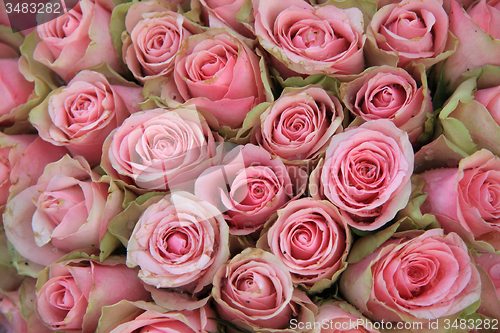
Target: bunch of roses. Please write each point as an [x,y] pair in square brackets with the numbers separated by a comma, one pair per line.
[252,166]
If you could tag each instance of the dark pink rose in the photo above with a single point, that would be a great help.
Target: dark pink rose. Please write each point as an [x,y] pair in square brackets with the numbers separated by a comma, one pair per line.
[312,239]
[311,39]
[161,149]
[81,115]
[366,173]
[218,73]
[410,30]
[389,93]
[414,276]
[247,187]
[487,15]
[179,242]
[71,293]
[299,125]
[154,36]
[77,40]
[255,291]
[67,210]
[466,199]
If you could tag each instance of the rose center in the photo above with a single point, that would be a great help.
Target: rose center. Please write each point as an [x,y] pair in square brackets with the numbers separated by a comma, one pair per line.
[177,243]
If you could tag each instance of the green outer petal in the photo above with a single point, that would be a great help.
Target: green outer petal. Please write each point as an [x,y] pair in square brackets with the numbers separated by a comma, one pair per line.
[367,245]
[367,7]
[117,27]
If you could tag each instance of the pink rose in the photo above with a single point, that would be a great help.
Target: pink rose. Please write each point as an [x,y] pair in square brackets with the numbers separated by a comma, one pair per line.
[161,149]
[311,40]
[154,36]
[410,30]
[79,39]
[487,15]
[247,187]
[254,291]
[312,239]
[81,115]
[220,74]
[366,174]
[389,93]
[490,98]
[491,264]
[22,161]
[414,276]
[298,126]
[71,294]
[66,210]
[223,13]
[179,242]
[465,200]
[338,317]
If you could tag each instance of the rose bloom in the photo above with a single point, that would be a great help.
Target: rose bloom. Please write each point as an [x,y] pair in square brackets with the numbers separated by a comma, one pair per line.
[248,187]
[254,291]
[66,210]
[179,242]
[491,264]
[311,40]
[71,294]
[414,276]
[411,30]
[77,40]
[220,74]
[490,98]
[389,93]
[466,199]
[299,125]
[154,36]
[312,239]
[487,15]
[366,173]
[152,318]
[223,13]
[81,115]
[161,149]
[337,317]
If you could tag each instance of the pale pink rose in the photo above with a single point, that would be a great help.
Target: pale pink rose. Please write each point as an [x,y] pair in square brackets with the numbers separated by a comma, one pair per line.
[487,15]
[411,30]
[338,317]
[311,39]
[255,291]
[161,149]
[223,13]
[77,40]
[490,98]
[179,242]
[220,74]
[81,115]
[66,210]
[154,36]
[247,187]
[11,320]
[22,161]
[366,173]
[414,276]
[71,293]
[491,264]
[299,125]
[156,319]
[466,199]
[389,93]
[312,239]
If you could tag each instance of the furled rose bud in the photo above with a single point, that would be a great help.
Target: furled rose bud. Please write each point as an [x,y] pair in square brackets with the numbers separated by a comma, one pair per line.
[312,239]
[71,293]
[81,115]
[311,39]
[389,93]
[154,36]
[413,276]
[179,242]
[408,31]
[299,125]
[254,291]
[77,40]
[161,149]
[219,73]
[67,210]
[366,173]
[247,187]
